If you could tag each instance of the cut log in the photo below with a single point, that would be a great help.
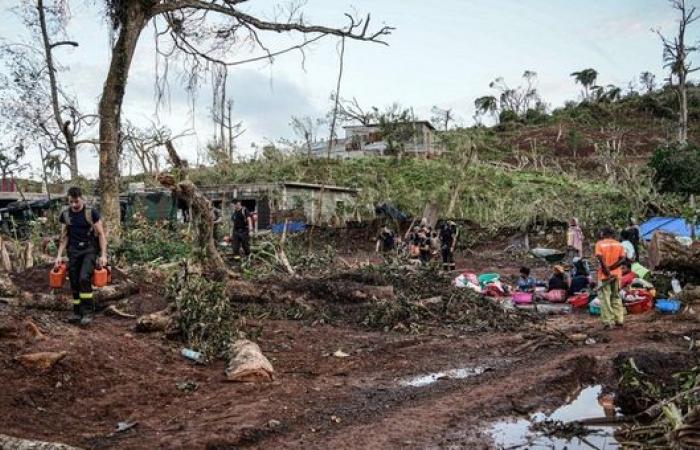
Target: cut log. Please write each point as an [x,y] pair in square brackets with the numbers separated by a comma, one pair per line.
[248,364]
[158,321]
[41,361]
[103,297]
[34,331]
[13,443]
[667,253]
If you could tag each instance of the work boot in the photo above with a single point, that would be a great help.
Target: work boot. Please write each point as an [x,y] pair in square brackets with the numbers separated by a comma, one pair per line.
[77,314]
[88,311]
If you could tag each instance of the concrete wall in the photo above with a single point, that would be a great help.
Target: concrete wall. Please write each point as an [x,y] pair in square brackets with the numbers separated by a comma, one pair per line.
[307,199]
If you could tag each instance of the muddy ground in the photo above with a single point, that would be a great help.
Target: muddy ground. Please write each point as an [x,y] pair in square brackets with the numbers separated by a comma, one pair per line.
[113,374]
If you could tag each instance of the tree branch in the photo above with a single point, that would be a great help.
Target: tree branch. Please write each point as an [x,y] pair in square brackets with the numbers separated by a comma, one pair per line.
[350,31]
[59,43]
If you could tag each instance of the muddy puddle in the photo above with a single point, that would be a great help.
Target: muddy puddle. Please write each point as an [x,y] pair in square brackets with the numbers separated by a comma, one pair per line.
[452,374]
[519,433]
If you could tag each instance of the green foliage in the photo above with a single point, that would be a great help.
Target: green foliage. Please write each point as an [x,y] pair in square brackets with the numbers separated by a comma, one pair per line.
[145,242]
[205,316]
[495,198]
[396,127]
[677,169]
[507,116]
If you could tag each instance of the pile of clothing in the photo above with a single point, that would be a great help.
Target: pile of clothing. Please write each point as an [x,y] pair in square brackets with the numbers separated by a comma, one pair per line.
[488,284]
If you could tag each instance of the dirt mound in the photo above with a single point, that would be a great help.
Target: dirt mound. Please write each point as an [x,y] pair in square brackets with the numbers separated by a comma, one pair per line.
[648,375]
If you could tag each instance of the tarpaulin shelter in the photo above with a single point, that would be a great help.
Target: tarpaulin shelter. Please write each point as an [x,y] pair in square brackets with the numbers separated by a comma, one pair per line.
[673,225]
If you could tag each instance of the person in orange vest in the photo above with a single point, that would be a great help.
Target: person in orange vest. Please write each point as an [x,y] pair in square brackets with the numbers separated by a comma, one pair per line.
[83,235]
[611,255]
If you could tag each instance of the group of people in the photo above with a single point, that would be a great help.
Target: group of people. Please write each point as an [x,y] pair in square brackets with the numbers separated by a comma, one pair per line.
[421,243]
[619,268]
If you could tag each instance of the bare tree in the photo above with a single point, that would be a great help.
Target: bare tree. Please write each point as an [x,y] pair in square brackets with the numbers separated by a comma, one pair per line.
[306,129]
[201,33]
[11,159]
[350,111]
[143,145]
[648,80]
[35,77]
[461,150]
[229,130]
[676,57]
[442,117]
[518,99]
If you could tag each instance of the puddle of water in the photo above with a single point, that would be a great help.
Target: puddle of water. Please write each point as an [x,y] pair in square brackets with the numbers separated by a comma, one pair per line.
[517,434]
[452,374]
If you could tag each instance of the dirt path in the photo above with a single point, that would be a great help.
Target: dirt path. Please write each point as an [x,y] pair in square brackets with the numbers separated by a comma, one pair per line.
[112,374]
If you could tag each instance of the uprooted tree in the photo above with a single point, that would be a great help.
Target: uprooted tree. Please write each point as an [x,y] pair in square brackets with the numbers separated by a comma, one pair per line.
[201,33]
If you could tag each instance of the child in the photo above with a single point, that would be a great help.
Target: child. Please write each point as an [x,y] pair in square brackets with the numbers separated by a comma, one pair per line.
[525,282]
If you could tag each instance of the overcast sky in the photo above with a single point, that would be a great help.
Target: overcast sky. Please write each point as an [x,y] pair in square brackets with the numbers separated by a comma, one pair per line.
[442,53]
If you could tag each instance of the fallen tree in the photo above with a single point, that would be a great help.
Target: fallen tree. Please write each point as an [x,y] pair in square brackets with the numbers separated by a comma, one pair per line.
[668,253]
[202,212]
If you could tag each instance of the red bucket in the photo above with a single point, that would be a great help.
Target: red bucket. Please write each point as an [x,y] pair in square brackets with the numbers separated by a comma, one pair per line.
[579,300]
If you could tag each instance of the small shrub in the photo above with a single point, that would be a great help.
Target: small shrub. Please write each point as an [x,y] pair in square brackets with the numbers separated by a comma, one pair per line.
[145,242]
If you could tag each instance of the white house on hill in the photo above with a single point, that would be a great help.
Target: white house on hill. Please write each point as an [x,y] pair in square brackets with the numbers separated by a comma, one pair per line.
[361,140]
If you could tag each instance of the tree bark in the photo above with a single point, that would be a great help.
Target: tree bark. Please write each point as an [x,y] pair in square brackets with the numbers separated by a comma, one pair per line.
[666,253]
[201,213]
[135,19]
[683,116]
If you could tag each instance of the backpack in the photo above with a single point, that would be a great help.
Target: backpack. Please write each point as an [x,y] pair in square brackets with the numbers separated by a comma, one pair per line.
[65,214]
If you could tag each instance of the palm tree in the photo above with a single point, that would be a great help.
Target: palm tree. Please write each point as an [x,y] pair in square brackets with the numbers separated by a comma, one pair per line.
[586,78]
[487,104]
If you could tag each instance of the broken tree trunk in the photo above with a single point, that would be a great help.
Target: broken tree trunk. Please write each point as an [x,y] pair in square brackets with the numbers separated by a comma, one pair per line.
[201,214]
[13,443]
[667,253]
[5,256]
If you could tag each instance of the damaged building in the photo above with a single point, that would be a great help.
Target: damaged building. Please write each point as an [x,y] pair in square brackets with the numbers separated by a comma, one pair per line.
[275,202]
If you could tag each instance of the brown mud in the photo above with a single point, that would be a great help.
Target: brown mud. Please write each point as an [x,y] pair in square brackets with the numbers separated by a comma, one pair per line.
[113,374]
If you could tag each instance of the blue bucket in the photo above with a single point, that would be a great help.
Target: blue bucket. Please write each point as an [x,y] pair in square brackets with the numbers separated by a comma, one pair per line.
[668,306]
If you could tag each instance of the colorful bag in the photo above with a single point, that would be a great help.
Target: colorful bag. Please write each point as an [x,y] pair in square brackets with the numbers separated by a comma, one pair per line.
[522,298]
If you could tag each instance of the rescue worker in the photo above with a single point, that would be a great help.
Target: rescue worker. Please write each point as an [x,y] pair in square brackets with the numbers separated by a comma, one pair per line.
[241,224]
[425,247]
[448,243]
[611,255]
[83,235]
[386,241]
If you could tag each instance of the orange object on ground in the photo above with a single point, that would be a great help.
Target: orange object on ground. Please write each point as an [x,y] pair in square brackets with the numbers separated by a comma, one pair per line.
[100,277]
[57,276]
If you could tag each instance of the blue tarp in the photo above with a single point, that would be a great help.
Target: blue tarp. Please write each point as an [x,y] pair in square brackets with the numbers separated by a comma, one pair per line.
[674,225]
[292,227]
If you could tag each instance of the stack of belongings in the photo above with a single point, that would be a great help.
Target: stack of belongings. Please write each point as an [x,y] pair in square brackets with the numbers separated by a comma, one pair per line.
[637,292]
[488,284]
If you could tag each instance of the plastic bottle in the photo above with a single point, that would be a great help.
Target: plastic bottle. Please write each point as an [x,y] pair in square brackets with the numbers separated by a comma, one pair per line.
[192,355]
[676,286]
